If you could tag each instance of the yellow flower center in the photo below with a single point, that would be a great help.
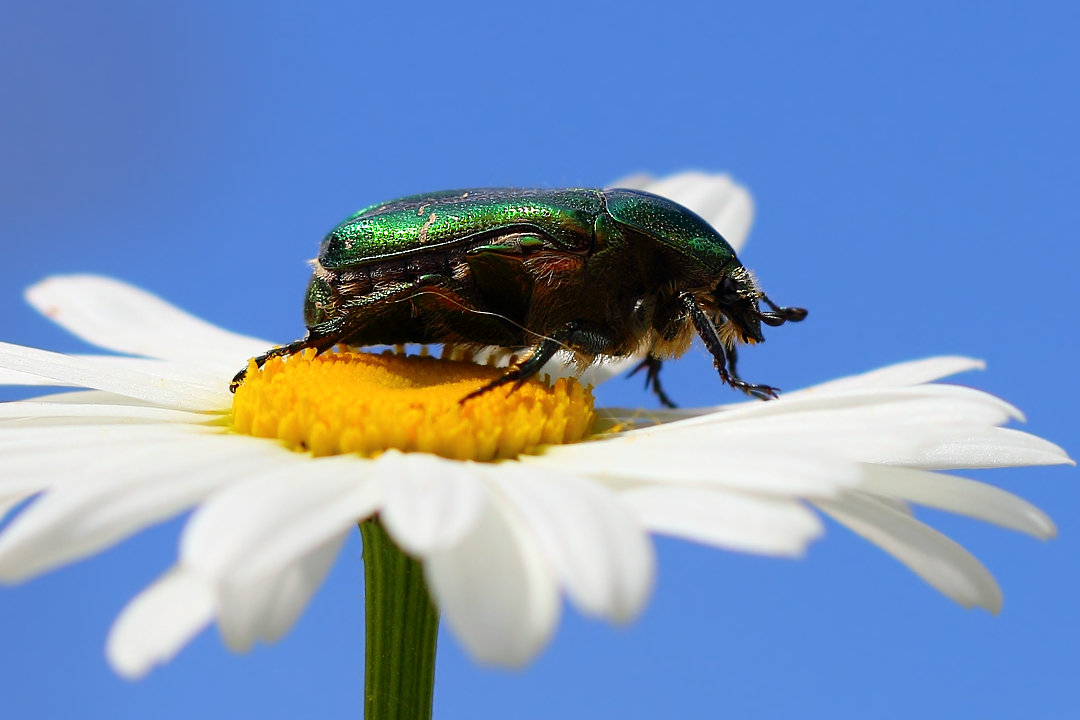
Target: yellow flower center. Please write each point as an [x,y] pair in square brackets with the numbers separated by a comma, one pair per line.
[354,402]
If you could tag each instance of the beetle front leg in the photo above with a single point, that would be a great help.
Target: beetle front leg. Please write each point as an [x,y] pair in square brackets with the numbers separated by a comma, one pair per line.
[722,356]
[761,392]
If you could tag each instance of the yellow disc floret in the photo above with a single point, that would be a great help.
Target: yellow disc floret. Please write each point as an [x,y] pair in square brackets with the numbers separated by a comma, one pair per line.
[354,402]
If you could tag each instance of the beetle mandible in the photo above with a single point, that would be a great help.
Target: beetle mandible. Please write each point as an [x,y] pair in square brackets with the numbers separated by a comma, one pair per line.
[601,273]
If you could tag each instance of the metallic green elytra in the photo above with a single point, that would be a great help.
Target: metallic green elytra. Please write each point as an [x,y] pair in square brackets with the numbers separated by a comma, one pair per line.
[601,273]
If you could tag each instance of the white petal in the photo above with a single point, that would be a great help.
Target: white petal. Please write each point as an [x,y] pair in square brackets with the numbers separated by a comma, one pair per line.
[989,448]
[81,517]
[830,439]
[495,591]
[14,377]
[83,411]
[175,372]
[88,397]
[637,181]
[898,505]
[728,520]
[913,372]
[102,374]
[256,527]
[107,438]
[902,375]
[750,464]
[602,372]
[9,502]
[125,319]
[958,495]
[942,404]
[265,609]
[428,502]
[31,461]
[158,622]
[597,549]
[563,365]
[932,556]
[28,470]
[895,426]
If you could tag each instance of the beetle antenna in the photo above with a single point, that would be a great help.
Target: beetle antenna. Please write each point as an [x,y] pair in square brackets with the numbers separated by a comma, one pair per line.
[539,336]
[780,315]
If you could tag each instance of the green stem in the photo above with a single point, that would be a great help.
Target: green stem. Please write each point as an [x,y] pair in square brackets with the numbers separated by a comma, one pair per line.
[402,625]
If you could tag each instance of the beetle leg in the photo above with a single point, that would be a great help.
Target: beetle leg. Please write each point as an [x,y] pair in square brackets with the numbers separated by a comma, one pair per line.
[722,356]
[572,336]
[325,335]
[762,392]
[289,349]
[522,371]
[321,343]
[651,365]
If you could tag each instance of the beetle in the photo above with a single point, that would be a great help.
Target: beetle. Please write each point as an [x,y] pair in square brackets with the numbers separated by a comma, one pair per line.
[601,273]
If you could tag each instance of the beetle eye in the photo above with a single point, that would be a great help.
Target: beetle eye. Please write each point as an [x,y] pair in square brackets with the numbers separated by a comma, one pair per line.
[727,291]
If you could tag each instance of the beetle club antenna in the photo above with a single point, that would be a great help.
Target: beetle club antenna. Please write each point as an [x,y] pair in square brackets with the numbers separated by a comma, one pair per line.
[780,315]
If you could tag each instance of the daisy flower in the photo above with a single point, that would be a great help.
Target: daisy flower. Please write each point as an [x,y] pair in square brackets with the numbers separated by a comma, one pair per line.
[508,502]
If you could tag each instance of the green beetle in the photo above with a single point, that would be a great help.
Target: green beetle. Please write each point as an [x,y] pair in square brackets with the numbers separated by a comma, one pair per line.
[601,273]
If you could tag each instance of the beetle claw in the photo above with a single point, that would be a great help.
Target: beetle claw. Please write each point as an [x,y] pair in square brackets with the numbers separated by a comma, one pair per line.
[321,343]
[761,392]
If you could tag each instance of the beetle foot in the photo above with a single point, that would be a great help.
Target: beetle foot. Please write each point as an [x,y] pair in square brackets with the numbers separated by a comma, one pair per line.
[512,376]
[238,379]
[525,369]
[320,343]
[761,392]
[651,365]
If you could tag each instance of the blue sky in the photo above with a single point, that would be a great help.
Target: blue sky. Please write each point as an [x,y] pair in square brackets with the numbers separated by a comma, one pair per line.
[916,170]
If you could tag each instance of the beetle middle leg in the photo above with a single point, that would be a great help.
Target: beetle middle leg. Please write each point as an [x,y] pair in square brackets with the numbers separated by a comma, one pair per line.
[651,365]
[572,336]
[723,357]
[669,321]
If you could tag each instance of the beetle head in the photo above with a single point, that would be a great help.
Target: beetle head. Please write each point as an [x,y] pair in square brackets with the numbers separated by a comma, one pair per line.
[736,301]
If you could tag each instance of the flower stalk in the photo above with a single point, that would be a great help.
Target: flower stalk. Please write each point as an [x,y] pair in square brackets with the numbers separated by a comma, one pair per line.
[402,629]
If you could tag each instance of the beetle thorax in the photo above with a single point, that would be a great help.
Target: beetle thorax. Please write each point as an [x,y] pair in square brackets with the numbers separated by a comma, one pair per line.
[665,348]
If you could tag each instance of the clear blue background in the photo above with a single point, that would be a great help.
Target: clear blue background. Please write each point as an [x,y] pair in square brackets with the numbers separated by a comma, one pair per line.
[916,175]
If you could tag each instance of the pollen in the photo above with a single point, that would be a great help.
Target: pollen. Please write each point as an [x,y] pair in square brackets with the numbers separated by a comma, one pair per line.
[365,403]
